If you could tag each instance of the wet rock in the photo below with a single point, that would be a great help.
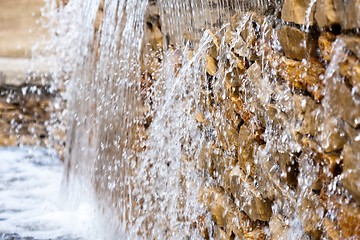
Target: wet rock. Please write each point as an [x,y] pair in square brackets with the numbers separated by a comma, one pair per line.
[352,43]
[349,221]
[310,213]
[350,68]
[325,42]
[329,12]
[331,135]
[249,118]
[351,170]
[277,226]
[296,11]
[352,13]
[292,42]
[225,213]
[247,146]
[257,234]
[336,12]
[331,229]
[303,76]
[343,103]
[254,74]
[249,198]
[220,234]
[326,130]
[211,66]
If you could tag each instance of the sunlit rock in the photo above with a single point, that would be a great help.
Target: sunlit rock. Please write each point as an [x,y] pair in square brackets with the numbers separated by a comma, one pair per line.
[295,43]
[351,177]
[298,11]
[248,197]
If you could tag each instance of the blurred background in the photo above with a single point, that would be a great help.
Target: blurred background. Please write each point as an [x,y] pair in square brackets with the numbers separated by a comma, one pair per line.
[29,104]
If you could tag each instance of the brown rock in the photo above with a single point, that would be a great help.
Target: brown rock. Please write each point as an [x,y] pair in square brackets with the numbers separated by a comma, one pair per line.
[349,221]
[337,12]
[278,227]
[246,151]
[329,12]
[16,19]
[351,169]
[257,234]
[352,14]
[249,198]
[296,11]
[350,68]
[249,118]
[6,140]
[343,102]
[211,66]
[309,217]
[225,213]
[220,233]
[352,42]
[330,229]
[303,76]
[325,42]
[254,74]
[292,41]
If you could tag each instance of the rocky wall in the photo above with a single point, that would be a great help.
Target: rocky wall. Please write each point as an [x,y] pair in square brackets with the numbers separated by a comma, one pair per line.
[285,89]
[277,108]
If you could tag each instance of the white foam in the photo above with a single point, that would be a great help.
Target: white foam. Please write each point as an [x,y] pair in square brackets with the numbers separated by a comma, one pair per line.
[34,203]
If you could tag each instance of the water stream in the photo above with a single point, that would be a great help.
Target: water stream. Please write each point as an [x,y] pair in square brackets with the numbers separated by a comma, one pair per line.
[155,123]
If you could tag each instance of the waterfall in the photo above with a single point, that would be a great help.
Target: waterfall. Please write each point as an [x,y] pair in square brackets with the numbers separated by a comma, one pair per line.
[187,119]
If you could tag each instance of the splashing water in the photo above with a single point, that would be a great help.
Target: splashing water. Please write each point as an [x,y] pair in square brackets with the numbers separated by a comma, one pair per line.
[33,204]
[211,117]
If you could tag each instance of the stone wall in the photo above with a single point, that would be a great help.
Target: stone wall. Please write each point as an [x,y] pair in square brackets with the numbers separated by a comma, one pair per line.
[287,151]
[278,107]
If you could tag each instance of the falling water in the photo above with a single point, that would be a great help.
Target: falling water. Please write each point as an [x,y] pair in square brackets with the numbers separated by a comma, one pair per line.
[156,144]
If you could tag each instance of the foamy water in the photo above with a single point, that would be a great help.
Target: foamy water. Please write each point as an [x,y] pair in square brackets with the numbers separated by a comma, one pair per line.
[34,203]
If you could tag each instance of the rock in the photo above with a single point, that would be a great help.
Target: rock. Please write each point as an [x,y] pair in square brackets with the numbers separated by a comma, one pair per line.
[303,76]
[309,216]
[331,135]
[325,42]
[350,68]
[249,118]
[98,20]
[352,14]
[220,233]
[329,12]
[292,42]
[225,213]
[250,201]
[200,118]
[331,230]
[211,66]
[343,103]
[222,166]
[349,221]
[257,234]
[296,11]
[278,227]
[255,76]
[247,146]
[352,43]
[337,12]
[6,140]
[351,169]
